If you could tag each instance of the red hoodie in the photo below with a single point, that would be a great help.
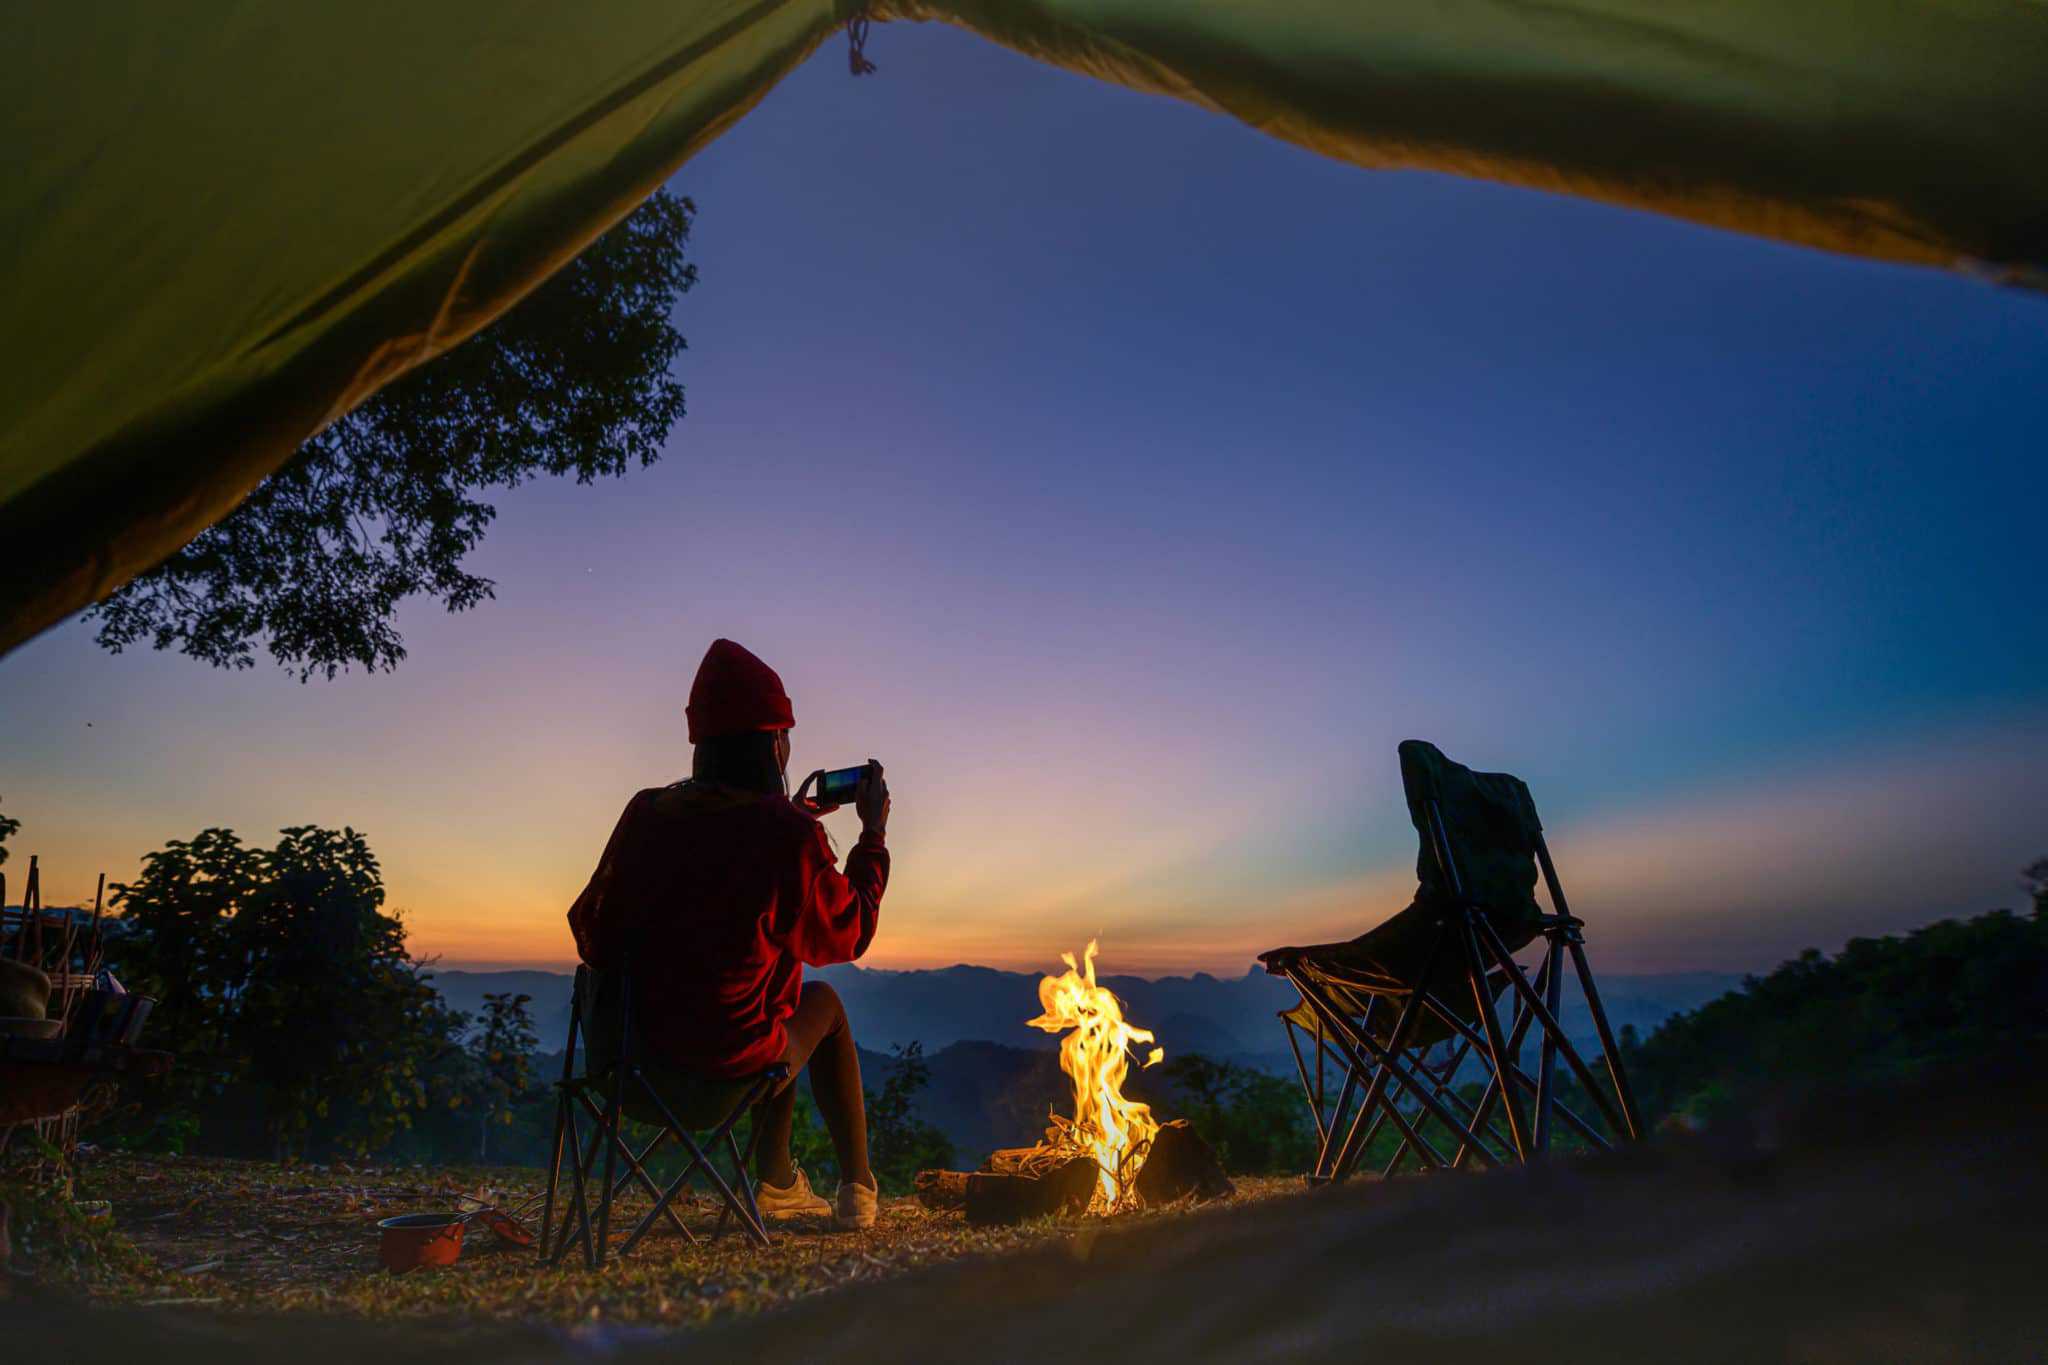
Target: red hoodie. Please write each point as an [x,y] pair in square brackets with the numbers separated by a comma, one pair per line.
[718,899]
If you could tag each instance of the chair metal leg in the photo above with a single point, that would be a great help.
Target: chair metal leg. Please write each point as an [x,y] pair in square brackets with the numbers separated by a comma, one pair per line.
[744,1166]
[1372,1129]
[1554,1030]
[1490,1142]
[1616,1072]
[609,1137]
[1496,1044]
[1319,1063]
[742,1182]
[753,1155]
[675,1187]
[1442,1087]
[1308,1092]
[1549,983]
[579,1209]
[1404,1023]
[1356,1045]
[1480,1125]
[1482,1112]
[699,1159]
[1344,1094]
[1354,1139]
[547,1208]
[1388,1107]
[565,1117]
[751,1219]
[1520,1077]
[636,1167]
[1631,1116]
[1321,1172]
[1447,1098]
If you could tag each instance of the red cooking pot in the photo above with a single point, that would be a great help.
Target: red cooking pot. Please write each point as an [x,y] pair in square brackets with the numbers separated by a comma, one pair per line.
[416,1239]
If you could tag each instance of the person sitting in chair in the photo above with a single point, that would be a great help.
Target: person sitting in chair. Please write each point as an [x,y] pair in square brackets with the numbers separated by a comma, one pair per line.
[716,893]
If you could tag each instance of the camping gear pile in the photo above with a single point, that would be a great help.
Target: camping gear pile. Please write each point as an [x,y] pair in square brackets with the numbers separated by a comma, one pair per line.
[68,1027]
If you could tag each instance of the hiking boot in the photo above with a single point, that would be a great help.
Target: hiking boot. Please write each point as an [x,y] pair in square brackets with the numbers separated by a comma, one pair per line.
[794,1200]
[857,1207]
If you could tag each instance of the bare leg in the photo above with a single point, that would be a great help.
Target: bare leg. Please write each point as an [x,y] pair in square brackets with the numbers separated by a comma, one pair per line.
[821,1043]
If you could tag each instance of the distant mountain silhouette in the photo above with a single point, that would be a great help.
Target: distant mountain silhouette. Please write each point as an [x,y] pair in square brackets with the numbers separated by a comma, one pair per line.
[983,1095]
[1219,1017]
[465,991]
[993,1080]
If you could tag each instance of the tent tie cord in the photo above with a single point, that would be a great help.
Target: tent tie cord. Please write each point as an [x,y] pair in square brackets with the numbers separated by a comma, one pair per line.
[857,41]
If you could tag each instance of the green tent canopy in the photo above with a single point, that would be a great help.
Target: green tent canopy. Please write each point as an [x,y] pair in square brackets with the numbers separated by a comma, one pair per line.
[225,225]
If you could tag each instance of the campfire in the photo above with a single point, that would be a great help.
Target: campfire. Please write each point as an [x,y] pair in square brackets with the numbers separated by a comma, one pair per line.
[1111,1155]
[1114,1131]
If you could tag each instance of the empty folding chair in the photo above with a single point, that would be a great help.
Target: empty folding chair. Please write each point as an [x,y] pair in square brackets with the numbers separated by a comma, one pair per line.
[1407,1011]
[618,1081]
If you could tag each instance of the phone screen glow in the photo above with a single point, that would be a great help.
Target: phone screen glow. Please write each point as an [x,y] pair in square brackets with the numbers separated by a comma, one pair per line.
[836,788]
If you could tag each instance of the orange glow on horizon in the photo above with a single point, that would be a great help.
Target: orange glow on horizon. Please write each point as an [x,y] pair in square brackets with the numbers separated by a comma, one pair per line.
[1733,878]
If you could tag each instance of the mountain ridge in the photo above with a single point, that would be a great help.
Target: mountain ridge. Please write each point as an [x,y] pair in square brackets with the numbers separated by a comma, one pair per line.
[1216,1016]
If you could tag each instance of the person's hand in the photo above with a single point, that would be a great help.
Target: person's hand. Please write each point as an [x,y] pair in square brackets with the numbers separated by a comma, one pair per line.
[808,804]
[871,799]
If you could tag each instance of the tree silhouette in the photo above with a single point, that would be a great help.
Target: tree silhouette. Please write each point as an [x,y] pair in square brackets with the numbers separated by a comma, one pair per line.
[287,991]
[1881,1010]
[900,1142]
[501,1048]
[380,506]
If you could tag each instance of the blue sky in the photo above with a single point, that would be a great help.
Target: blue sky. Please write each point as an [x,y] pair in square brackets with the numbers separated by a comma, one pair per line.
[1131,483]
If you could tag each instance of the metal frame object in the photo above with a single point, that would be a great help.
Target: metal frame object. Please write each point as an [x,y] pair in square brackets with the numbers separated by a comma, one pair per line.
[586,1127]
[1388,1076]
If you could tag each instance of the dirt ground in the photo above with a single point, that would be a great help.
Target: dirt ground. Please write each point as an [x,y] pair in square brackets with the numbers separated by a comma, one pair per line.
[1904,1227]
[237,1235]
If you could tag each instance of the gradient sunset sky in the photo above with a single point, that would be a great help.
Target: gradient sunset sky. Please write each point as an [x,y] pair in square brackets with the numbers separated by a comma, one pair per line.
[1130,483]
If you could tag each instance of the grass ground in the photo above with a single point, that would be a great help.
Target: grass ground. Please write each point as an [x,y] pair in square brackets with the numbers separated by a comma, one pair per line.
[235,1235]
[1902,1226]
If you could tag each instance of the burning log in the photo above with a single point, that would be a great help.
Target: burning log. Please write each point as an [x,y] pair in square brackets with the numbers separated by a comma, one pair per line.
[1014,1184]
[1017,1183]
[1014,1195]
[1016,1160]
[1179,1164]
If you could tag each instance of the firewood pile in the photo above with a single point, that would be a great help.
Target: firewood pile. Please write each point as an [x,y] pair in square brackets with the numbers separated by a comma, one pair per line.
[1020,1183]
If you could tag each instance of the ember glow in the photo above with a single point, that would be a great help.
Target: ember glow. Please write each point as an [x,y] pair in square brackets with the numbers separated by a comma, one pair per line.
[1117,1132]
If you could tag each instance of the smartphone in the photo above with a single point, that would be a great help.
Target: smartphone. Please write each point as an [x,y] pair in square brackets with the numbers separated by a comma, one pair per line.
[835,788]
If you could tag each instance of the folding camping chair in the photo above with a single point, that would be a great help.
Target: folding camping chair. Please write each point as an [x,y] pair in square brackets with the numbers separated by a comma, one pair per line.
[617,1082]
[1399,1010]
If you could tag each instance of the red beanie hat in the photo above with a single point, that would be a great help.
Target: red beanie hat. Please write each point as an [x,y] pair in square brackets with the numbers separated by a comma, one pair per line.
[735,692]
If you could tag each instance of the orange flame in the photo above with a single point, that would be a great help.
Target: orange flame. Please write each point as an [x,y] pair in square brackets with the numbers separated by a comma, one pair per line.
[1116,1131]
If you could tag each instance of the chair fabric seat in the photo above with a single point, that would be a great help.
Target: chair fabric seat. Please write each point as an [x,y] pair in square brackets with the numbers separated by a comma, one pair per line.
[698,1101]
[1490,819]
[1386,962]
